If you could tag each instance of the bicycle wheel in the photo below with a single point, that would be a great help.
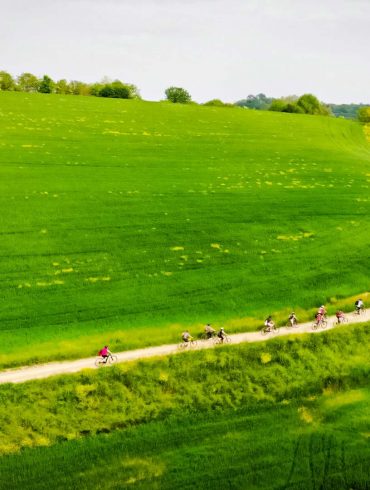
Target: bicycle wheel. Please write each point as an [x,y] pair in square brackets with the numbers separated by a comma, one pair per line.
[98,361]
[314,326]
[112,359]
[227,340]
[324,324]
[264,331]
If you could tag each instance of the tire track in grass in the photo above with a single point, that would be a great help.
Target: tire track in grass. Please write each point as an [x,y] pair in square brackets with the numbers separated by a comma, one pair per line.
[327,445]
[343,464]
[311,462]
[294,460]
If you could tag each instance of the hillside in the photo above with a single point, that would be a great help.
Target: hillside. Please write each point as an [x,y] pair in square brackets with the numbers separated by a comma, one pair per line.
[120,218]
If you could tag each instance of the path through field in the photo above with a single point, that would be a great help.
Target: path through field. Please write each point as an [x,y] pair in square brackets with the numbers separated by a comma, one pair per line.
[28,373]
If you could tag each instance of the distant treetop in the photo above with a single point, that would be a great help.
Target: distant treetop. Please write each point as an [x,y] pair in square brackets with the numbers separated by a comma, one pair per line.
[27,82]
[177,95]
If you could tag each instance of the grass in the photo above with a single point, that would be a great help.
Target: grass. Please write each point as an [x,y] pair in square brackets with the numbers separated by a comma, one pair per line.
[123,219]
[263,449]
[290,414]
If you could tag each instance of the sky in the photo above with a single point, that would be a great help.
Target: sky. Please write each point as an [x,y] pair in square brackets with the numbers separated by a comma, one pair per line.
[222,49]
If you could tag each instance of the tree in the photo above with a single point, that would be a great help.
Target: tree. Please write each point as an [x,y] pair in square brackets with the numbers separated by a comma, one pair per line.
[311,105]
[177,95]
[6,81]
[27,82]
[61,87]
[46,85]
[363,114]
[76,87]
[306,104]
[278,105]
[115,90]
[259,102]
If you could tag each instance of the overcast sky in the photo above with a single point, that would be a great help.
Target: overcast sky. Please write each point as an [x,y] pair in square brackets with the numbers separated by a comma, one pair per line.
[214,48]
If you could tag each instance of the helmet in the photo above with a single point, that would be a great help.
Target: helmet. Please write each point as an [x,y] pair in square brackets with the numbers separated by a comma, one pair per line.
[222,328]
[322,306]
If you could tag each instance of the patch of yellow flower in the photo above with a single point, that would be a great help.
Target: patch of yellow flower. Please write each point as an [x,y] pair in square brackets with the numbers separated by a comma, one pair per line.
[300,236]
[96,279]
[265,357]
[305,415]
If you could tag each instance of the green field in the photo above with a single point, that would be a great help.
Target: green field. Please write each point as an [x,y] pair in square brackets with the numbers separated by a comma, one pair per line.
[265,449]
[290,414]
[123,221]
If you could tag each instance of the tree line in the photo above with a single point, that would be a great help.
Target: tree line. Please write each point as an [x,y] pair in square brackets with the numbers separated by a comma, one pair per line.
[28,82]
[305,104]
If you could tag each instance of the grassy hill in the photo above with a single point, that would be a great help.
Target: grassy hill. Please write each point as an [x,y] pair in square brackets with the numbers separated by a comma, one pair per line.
[122,221]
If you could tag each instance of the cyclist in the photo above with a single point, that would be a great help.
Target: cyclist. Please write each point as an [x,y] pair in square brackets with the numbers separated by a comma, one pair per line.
[209,331]
[340,316]
[319,318]
[359,305]
[292,319]
[322,311]
[221,335]
[105,353]
[269,324]
[186,337]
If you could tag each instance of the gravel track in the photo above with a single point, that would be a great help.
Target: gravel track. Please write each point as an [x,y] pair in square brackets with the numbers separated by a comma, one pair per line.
[40,371]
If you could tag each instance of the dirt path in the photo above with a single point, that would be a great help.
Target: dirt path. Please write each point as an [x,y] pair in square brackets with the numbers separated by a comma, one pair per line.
[21,375]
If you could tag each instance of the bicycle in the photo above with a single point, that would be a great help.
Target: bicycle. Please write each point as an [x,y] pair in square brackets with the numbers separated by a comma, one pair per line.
[269,329]
[322,323]
[341,320]
[359,311]
[187,345]
[290,324]
[218,340]
[111,359]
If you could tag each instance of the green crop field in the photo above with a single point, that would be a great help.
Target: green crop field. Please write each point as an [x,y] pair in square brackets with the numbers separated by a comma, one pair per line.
[263,449]
[123,221]
[290,414]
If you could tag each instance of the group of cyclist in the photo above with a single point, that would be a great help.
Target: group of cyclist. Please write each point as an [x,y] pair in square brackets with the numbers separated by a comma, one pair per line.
[209,333]
[320,317]
[269,326]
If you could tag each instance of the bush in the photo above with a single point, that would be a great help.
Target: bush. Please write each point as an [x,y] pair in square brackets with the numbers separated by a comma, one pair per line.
[306,104]
[363,114]
[115,90]
[218,103]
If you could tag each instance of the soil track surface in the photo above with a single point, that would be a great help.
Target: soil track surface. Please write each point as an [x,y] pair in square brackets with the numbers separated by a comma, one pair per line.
[40,371]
